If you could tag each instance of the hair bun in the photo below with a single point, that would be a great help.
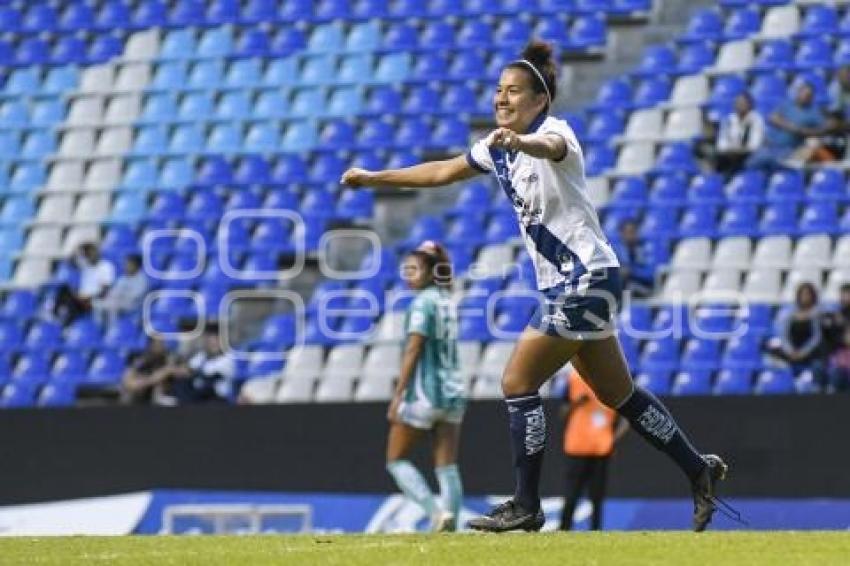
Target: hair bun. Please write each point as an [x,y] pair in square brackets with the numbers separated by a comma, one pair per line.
[539,53]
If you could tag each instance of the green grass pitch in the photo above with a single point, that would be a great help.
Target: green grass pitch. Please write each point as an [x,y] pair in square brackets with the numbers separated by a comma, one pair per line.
[635,548]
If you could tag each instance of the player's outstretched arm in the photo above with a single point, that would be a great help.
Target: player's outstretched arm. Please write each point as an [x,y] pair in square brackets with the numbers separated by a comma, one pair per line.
[424,175]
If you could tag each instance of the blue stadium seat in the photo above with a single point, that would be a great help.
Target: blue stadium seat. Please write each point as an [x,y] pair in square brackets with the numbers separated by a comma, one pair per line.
[701,354]
[206,74]
[819,217]
[167,205]
[104,48]
[150,140]
[221,12]
[512,31]
[706,188]
[271,104]
[656,381]
[659,222]
[472,198]
[186,139]
[243,73]
[742,22]
[11,335]
[288,41]
[289,169]
[614,93]
[253,43]
[813,52]
[32,51]
[139,174]
[451,133]
[112,15]
[32,368]
[739,220]
[637,318]
[69,49]
[10,19]
[16,210]
[213,171]
[23,81]
[733,382]
[604,126]
[775,382]
[57,394]
[258,11]
[785,186]
[652,90]
[204,205]
[779,218]
[264,137]
[82,334]
[252,169]
[413,132]
[356,204]
[819,21]
[40,18]
[325,38]
[743,352]
[705,24]
[629,192]
[699,220]
[598,159]
[178,44]
[328,168]
[746,187]
[827,185]
[370,9]
[188,13]
[675,157]
[44,335]
[17,395]
[60,79]
[467,65]
[552,30]
[224,138]
[692,382]
[364,36]
[668,190]
[17,306]
[775,54]
[694,58]
[106,369]
[393,67]
[657,59]
[660,355]
[47,112]
[376,133]
[502,227]
[196,106]
[768,90]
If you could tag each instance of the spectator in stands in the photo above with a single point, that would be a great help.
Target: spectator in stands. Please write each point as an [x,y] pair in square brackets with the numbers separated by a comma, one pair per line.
[590,432]
[839,92]
[800,338]
[788,128]
[148,372]
[208,375]
[637,273]
[838,368]
[96,277]
[835,324]
[741,133]
[126,294]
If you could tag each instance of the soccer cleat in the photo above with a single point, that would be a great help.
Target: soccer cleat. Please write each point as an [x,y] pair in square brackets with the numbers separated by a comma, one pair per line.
[444,523]
[705,503]
[509,516]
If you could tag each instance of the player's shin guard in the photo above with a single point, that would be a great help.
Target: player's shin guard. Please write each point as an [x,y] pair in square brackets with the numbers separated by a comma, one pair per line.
[651,419]
[528,438]
[451,489]
[412,484]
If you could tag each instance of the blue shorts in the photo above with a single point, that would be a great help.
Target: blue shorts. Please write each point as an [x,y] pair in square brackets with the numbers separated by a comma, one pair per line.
[585,314]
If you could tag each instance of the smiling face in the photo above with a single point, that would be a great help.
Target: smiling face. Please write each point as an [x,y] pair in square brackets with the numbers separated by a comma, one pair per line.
[516,104]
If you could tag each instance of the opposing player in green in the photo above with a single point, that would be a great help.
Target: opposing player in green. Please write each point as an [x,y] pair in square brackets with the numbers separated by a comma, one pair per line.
[430,395]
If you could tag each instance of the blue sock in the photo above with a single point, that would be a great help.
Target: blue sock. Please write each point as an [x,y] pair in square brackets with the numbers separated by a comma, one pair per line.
[651,419]
[451,489]
[413,485]
[528,438]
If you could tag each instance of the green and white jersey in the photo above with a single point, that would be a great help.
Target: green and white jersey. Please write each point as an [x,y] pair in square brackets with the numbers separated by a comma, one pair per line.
[437,379]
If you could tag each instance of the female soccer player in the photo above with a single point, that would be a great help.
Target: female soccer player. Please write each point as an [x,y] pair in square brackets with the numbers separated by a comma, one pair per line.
[539,165]
[430,395]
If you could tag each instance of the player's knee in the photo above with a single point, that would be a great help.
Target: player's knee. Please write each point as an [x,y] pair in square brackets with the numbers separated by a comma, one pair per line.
[514,385]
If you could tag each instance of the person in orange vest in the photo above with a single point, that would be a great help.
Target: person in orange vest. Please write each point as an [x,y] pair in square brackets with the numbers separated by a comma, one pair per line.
[590,432]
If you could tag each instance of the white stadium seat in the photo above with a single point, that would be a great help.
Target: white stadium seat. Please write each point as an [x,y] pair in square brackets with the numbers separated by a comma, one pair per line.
[123,108]
[114,140]
[133,77]
[692,253]
[834,281]
[644,124]
[260,390]
[735,56]
[334,390]
[469,354]
[493,260]
[773,251]
[390,328]
[295,390]
[721,283]
[732,253]
[304,361]
[763,285]
[813,251]
[44,240]
[93,207]
[375,388]
[77,235]
[77,142]
[344,361]
[780,22]
[494,359]
[683,124]
[65,175]
[635,158]
[382,360]
[680,286]
[690,91]
[487,387]
[32,272]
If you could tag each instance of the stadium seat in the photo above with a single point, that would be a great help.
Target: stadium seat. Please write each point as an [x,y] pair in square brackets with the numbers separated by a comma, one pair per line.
[733,382]
[775,382]
[657,382]
[692,382]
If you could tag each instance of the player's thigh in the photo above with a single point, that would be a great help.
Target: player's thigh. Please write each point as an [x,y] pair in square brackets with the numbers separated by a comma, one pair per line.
[535,358]
[446,443]
[401,440]
[602,365]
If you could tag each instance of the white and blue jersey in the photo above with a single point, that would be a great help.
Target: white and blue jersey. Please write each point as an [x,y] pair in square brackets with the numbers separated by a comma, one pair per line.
[559,224]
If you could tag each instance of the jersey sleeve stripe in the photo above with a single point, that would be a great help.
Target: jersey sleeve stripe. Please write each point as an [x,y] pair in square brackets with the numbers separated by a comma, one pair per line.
[474,164]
